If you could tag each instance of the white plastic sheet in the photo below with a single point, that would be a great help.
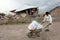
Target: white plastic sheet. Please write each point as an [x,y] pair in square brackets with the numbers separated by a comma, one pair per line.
[34,25]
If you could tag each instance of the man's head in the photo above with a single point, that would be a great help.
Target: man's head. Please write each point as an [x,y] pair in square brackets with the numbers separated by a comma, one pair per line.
[47,13]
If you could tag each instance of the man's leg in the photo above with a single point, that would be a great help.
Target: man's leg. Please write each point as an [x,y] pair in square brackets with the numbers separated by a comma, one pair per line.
[48,28]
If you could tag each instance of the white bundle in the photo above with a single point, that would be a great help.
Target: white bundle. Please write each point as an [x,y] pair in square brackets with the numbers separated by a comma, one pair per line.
[34,25]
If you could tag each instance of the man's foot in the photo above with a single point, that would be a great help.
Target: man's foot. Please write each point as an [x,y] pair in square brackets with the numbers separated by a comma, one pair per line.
[47,30]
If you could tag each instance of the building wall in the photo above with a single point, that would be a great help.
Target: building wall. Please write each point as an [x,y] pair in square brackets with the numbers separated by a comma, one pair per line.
[56,14]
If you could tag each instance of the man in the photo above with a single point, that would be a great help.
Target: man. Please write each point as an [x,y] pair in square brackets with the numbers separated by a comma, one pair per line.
[48,20]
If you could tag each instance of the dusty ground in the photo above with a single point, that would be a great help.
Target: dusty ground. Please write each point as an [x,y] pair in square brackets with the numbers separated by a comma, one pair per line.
[18,32]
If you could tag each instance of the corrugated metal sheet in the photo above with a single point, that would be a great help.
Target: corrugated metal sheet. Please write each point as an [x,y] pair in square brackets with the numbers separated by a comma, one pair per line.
[24,7]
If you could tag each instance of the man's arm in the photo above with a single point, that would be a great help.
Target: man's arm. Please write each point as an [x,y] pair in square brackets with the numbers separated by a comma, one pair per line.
[50,18]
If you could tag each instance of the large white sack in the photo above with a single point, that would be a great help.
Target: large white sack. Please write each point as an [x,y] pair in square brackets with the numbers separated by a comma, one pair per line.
[34,25]
[39,26]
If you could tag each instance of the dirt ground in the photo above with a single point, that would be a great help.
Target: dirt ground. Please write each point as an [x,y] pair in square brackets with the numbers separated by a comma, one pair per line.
[18,32]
